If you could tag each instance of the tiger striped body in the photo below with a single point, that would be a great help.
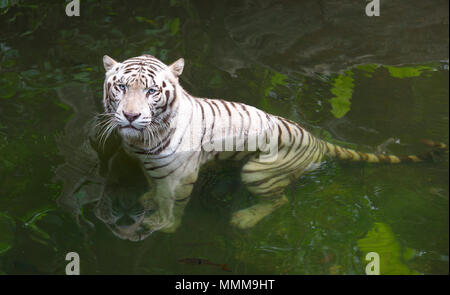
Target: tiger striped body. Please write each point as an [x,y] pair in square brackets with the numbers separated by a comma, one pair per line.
[173,134]
[220,123]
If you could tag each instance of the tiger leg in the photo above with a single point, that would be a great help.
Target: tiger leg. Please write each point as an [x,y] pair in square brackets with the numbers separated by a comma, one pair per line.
[268,186]
[181,199]
[249,217]
[171,198]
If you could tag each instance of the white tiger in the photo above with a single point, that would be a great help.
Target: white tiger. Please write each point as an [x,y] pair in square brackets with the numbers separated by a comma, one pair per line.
[172,134]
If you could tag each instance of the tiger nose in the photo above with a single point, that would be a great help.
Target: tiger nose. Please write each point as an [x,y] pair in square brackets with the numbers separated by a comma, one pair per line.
[125,221]
[131,116]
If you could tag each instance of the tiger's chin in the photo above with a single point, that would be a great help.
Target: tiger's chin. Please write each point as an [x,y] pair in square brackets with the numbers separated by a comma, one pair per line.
[131,133]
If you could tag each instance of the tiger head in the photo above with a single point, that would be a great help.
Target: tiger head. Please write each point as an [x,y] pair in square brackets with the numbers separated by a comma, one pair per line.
[121,206]
[138,94]
[123,215]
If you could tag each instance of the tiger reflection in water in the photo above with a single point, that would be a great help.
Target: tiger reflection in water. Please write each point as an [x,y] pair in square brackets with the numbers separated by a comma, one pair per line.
[167,131]
[119,206]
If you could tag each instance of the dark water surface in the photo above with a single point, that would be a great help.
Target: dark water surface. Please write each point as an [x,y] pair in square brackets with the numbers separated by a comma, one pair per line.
[344,76]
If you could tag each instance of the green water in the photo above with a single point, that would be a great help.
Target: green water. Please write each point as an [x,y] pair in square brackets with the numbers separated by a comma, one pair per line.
[303,61]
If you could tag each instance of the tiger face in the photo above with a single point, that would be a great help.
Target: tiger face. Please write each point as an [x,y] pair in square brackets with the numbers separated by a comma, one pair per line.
[123,215]
[137,93]
[120,207]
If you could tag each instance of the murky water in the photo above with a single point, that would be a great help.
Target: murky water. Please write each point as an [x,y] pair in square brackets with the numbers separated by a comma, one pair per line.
[356,80]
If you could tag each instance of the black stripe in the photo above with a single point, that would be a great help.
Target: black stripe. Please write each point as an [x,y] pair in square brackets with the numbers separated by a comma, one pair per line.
[226,106]
[203,121]
[287,127]
[158,167]
[212,101]
[164,176]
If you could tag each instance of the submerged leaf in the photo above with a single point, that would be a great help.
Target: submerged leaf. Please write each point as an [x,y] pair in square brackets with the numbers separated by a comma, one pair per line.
[406,72]
[343,91]
[9,84]
[381,239]
[276,79]
[7,229]
[369,68]
[143,19]
[174,26]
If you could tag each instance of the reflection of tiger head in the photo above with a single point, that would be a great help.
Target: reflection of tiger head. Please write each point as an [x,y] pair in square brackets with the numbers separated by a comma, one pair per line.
[120,206]
[123,216]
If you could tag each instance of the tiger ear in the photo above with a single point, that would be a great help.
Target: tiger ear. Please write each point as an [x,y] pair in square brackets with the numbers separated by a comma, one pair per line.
[177,67]
[108,62]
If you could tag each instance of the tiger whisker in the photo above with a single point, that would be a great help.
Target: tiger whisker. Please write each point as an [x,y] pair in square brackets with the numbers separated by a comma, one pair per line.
[105,131]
